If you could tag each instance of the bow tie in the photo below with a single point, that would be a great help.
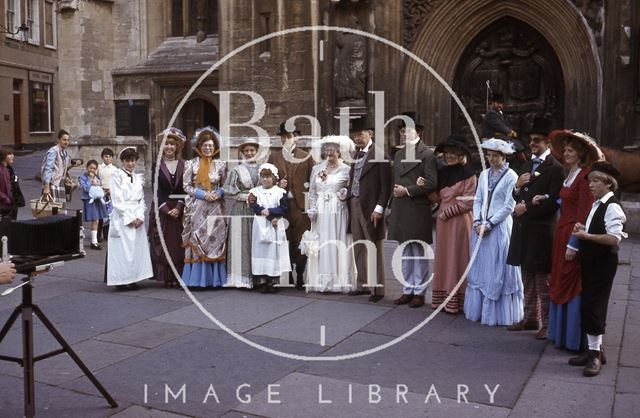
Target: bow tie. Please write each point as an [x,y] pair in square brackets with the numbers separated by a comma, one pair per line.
[359,154]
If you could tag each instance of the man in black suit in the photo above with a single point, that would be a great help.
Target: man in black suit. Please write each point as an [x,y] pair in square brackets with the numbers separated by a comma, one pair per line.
[494,124]
[536,194]
[370,187]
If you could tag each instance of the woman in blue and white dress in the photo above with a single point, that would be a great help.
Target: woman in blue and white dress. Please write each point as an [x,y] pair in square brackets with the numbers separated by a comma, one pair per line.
[494,293]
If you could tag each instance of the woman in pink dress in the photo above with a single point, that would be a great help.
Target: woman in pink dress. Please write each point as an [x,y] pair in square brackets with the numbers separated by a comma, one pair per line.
[456,191]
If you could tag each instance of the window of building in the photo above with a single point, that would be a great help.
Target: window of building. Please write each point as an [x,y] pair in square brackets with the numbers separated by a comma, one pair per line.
[132,117]
[50,39]
[188,17]
[265,28]
[12,13]
[33,21]
[40,107]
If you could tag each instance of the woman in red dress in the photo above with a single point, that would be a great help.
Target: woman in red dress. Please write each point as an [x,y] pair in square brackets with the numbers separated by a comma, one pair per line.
[579,152]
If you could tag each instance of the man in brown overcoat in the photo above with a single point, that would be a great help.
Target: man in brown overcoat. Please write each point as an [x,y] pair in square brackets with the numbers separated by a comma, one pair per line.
[294,166]
[370,187]
[410,218]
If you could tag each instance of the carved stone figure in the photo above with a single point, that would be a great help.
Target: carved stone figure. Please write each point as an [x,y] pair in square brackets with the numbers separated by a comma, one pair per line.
[350,69]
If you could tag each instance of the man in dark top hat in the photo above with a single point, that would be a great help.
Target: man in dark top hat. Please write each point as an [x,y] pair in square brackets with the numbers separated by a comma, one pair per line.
[294,167]
[370,187]
[536,194]
[410,218]
[494,124]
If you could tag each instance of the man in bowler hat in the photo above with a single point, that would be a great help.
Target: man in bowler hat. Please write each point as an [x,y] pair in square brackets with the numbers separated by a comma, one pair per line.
[536,194]
[368,196]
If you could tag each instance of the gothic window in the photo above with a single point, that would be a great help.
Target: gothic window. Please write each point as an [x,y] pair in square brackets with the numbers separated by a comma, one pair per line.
[193,17]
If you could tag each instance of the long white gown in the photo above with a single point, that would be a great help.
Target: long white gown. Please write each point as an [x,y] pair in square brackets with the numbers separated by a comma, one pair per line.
[128,259]
[332,268]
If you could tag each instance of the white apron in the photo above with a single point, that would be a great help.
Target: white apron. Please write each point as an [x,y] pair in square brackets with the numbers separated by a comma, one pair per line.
[128,258]
[269,245]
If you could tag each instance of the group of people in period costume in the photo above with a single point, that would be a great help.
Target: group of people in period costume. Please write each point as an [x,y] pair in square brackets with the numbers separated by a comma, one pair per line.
[538,244]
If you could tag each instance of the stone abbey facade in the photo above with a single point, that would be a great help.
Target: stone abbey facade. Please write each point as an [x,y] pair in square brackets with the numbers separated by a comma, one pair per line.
[125,66]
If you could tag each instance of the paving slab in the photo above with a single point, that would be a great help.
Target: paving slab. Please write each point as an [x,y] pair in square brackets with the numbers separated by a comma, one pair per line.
[339,320]
[473,335]
[299,395]
[53,401]
[240,311]
[544,397]
[146,334]
[626,405]
[199,360]
[554,365]
[401,319]
[628,380]
[420,364]
[630,351]
[137,411]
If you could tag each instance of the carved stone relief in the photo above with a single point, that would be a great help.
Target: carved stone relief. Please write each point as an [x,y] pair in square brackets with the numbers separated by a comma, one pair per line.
[593,12]
[512,59]
[415,12]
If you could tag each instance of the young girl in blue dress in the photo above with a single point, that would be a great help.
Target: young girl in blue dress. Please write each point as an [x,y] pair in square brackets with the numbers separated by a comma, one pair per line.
[94,207]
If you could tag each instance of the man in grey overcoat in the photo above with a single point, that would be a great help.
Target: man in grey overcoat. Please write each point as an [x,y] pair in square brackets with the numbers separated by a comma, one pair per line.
[410,220]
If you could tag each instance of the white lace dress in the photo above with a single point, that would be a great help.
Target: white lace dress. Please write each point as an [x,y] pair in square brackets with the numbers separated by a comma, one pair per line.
[332,267]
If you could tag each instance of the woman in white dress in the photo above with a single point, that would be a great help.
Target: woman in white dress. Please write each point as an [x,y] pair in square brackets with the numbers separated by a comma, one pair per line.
[330,268]
[128,257]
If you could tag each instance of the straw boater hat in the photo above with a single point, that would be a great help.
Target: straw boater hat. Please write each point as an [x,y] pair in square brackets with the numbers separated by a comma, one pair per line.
[270,167]
[559,136]
[495,144]
[248,141]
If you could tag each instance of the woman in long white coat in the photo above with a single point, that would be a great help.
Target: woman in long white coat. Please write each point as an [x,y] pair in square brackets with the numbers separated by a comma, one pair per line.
[128,258]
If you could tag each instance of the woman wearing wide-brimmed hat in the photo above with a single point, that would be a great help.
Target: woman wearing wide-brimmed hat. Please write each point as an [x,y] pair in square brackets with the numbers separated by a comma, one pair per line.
[205,244]
[456,190]
[494,294]
[242,178]
[578,152]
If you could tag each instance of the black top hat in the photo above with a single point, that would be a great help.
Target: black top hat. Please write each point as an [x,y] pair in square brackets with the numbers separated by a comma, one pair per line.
[541,126]
[454,141]
[605,167]
[414,117]
[360,124]
[497,97]
[282,131]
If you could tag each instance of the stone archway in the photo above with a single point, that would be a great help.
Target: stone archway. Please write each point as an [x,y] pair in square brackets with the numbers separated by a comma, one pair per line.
[509,58]
[452,26]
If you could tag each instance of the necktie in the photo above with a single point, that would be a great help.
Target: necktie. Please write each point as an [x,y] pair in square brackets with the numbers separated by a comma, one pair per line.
[359,154]
[535,163]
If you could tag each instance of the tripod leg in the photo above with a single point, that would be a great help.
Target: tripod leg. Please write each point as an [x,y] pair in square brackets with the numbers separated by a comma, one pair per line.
[27,361]
[74,356]
[9,323]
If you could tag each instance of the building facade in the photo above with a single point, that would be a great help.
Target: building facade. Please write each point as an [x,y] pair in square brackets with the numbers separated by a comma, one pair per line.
[126,66]
[29,77]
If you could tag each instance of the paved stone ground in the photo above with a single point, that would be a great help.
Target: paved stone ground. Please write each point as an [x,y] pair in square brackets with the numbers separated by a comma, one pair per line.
[147,344]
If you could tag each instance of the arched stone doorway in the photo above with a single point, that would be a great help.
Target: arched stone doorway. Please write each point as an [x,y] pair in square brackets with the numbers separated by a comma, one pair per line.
[195,114]
[452,26]
[510,58]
